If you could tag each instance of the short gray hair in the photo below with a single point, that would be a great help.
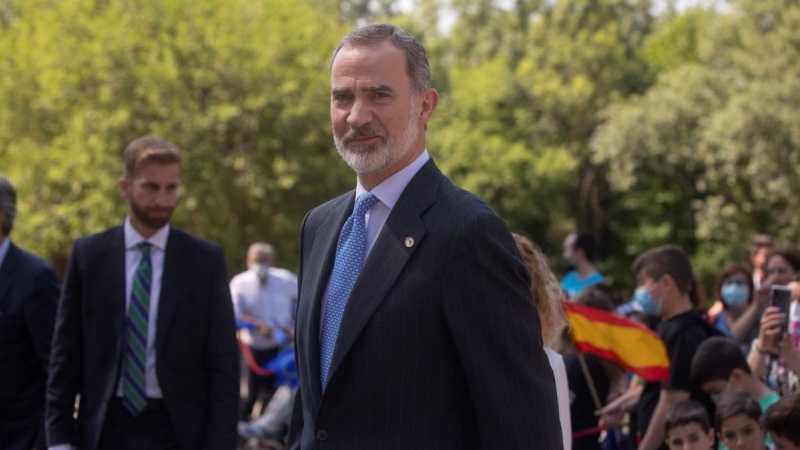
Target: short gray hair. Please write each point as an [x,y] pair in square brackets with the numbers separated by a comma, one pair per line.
[417,66]
[8,204]
[262,247]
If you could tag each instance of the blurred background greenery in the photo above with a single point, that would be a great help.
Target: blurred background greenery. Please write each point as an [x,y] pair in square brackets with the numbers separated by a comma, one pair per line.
[644,125]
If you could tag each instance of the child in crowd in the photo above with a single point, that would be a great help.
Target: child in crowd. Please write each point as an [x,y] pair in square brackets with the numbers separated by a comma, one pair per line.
[782,422]
[719,367]
[687,427]
[666,288]
[738,422]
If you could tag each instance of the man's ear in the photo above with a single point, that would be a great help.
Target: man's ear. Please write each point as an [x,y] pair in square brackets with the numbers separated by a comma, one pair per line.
[668,281]
[123,185]
[429,100]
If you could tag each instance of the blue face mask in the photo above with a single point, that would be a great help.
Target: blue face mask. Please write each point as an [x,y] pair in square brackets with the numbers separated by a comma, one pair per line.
[734,295]
[644,298]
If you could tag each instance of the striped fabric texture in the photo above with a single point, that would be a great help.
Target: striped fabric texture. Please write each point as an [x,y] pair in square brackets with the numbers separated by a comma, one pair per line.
[133,383]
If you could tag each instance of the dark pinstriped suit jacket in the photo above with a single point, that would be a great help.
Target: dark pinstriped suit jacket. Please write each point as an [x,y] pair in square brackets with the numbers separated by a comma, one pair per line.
[440,345]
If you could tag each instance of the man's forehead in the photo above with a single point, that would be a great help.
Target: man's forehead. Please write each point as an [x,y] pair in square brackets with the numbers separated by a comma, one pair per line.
[155,170]
[362,85]
[363,61]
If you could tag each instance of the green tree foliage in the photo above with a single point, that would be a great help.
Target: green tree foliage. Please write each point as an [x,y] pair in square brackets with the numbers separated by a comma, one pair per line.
[240,86]
[523,99]
[708,156]
[564,114]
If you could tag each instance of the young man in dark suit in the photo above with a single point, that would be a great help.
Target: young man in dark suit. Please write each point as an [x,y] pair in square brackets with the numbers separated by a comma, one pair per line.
[28,301]
[145,330]
[415,326]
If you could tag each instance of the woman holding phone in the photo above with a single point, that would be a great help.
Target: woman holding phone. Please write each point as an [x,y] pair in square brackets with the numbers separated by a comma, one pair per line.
[775,355]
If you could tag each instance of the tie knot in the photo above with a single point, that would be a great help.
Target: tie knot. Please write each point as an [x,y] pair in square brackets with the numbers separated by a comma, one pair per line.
[145,248]
[364,202]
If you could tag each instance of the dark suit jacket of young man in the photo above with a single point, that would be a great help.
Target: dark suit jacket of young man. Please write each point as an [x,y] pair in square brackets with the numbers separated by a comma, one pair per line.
[440,344]
[28,301]
[197,362]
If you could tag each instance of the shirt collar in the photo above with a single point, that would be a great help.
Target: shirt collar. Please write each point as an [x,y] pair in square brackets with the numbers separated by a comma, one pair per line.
[133,238]
[389,191]
[4,249]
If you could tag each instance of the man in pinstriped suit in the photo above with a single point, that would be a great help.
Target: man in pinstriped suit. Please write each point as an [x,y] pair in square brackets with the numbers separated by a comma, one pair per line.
[415,326]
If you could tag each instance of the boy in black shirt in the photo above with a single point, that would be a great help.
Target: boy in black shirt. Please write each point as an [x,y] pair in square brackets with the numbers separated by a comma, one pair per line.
[667,289]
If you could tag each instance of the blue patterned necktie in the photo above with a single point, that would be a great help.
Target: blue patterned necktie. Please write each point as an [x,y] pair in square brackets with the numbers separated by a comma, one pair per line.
[134,395]
[349,259]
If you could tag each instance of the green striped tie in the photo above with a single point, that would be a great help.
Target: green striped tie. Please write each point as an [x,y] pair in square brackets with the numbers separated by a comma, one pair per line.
[133,371]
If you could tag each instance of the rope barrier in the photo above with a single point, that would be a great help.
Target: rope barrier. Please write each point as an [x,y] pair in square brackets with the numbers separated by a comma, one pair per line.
[586,433]
[251,361]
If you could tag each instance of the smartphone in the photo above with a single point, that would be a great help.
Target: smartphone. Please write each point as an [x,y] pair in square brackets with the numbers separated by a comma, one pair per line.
[781,297]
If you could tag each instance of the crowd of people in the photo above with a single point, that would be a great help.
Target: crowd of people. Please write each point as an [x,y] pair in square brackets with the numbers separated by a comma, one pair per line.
[735,365]
[417,319]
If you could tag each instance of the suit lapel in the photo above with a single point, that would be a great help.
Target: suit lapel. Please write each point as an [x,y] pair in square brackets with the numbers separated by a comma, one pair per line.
[387,258]
[113,259]
[172,280]
[318,271]
[10,264]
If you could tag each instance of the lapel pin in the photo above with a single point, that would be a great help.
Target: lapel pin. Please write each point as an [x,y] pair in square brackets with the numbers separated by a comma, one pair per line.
[409,242]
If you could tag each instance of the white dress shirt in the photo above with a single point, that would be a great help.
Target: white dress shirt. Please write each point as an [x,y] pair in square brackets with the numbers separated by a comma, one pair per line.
[273,303]
[388,192]
[132,258]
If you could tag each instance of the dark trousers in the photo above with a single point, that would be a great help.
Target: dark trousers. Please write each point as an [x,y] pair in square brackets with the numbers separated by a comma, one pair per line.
[257,385]
[151,429]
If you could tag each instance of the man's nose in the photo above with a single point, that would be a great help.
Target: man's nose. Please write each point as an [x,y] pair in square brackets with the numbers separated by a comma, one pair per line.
[360,114]
[159,198]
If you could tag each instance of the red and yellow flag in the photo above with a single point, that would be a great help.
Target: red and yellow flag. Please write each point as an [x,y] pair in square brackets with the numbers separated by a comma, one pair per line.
[633,346]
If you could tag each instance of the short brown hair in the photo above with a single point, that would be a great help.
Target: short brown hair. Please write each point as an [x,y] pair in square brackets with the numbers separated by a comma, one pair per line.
[734,404]
[782,417]
[598,296]
[761,241]
[149,149]
[670,260]
[684,413]
[545,290]
[790,253]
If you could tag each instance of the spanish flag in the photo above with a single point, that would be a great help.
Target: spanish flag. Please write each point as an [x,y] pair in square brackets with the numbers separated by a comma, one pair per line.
[633,346]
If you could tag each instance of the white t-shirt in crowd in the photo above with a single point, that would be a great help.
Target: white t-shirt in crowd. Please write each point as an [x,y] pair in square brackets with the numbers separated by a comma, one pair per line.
[273,303]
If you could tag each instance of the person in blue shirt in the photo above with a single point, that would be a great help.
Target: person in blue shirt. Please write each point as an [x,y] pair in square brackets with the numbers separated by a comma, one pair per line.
[579,252]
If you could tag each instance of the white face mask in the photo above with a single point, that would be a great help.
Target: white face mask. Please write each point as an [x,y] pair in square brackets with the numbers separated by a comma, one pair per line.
[261,270]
